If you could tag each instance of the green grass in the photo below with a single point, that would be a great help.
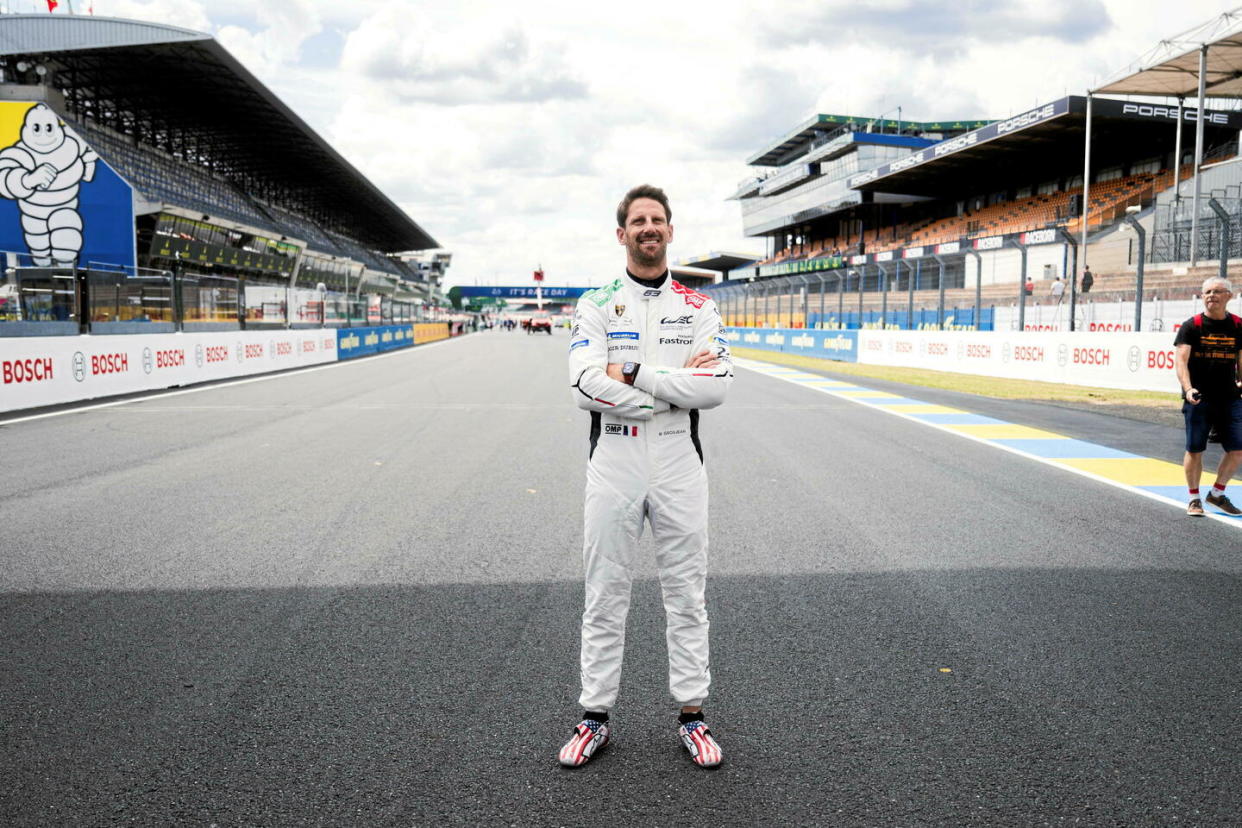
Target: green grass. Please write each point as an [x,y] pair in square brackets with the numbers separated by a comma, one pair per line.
[1011,389]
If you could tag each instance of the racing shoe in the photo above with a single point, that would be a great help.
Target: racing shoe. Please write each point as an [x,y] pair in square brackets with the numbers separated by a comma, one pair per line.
[1222,502]
[1195,507]
[703,748]
[589,737]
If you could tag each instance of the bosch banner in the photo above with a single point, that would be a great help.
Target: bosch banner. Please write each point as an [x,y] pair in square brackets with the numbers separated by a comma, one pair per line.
[48,370]
[1140,361]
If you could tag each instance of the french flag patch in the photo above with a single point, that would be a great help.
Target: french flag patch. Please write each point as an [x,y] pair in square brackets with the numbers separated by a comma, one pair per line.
[629,431]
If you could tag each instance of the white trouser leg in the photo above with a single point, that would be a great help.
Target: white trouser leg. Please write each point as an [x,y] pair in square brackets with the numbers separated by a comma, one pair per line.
[678,509]
[613,524]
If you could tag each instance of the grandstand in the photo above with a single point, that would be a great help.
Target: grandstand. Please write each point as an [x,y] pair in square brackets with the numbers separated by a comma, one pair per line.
[913,216]
[233,192]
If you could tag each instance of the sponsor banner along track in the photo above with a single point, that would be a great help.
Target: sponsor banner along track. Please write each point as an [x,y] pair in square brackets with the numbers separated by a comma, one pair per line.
[1128,360]
[41,371]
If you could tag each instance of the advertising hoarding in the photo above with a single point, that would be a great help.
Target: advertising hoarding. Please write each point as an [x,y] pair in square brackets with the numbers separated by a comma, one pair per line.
[60,203]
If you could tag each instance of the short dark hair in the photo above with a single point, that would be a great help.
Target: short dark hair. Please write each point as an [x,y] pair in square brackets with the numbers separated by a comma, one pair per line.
[642,191]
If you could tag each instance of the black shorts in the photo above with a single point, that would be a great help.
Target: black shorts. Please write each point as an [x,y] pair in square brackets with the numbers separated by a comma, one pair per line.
[1225,414]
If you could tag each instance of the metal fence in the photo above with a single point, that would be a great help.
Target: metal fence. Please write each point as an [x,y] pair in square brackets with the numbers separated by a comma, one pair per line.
[1174,226]
[100,299]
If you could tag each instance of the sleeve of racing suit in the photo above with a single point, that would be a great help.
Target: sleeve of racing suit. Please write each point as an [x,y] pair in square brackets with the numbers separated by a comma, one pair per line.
[694,387]
[593,389]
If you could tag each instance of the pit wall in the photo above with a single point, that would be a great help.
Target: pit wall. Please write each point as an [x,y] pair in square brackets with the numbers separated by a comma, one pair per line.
[50,370]
[1134,361]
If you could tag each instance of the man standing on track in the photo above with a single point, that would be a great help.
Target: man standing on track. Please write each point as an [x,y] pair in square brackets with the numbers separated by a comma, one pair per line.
[1209,367]
[646,354]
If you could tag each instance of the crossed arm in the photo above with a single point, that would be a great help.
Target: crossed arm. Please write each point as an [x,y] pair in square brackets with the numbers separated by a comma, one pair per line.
[703,359]
[599,385]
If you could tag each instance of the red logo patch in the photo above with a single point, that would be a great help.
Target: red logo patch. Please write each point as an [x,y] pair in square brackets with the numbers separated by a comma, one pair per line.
[691,297]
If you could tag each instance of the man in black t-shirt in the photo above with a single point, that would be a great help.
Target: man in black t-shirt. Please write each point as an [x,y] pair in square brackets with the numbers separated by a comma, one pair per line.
[1209,367]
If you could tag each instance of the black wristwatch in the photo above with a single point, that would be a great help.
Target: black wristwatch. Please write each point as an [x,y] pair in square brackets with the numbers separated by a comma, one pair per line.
[628,371]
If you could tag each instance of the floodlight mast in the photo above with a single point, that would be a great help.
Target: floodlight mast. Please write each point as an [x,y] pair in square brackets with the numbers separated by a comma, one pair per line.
[1194,210]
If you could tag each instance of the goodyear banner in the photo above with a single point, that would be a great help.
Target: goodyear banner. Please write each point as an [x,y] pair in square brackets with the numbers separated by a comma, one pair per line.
[59,202]
[839,345]
[356,342]
[955,319]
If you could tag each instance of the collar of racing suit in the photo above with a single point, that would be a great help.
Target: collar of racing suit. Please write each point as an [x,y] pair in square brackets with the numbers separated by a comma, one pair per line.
[649,288]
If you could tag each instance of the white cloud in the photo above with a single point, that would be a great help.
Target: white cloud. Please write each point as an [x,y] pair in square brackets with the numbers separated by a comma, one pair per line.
[935,27]
[452,68]
[284,27]
[187,14]
[510,131]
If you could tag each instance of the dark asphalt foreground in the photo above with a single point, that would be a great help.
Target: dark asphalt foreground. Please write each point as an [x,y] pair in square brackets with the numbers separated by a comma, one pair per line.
[350,597]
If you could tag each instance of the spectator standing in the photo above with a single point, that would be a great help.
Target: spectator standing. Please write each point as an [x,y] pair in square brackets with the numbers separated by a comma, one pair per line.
[1087,279]
[1208,360]
[1057,290]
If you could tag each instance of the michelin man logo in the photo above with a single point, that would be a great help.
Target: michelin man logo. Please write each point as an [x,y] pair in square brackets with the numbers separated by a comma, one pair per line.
[42,172]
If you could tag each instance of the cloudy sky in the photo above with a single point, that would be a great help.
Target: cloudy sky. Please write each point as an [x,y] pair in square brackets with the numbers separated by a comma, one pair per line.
[509,130]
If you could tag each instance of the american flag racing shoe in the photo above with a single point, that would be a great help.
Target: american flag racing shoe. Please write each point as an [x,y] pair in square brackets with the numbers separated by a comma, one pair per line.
[589,737]
[703,748]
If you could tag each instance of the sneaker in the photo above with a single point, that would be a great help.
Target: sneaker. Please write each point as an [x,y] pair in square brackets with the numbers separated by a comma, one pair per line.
[703,748]
[1222,502]
[1195,508]
[589,737]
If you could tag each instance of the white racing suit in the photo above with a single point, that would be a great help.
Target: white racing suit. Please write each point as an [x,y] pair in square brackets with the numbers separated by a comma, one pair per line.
[646,463]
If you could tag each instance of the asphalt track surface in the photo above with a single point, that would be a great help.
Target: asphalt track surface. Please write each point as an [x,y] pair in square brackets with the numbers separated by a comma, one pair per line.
[350,596]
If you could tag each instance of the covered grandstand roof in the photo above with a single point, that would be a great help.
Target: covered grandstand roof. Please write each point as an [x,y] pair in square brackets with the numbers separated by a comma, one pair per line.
[774,153]
[719,261]
[1039,142]
[1171,68]
[182,92]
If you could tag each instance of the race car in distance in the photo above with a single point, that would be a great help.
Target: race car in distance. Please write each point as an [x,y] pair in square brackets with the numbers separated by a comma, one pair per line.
[541,321]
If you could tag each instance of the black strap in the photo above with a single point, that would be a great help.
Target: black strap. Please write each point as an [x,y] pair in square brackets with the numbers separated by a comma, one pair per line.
[694,433]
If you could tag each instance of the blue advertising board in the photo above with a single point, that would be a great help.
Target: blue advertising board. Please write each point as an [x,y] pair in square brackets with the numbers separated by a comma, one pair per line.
[356,342]
[955,319]
[839,345]
[502,292]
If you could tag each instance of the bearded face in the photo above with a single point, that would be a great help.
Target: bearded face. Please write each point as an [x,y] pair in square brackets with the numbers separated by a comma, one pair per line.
[646,234]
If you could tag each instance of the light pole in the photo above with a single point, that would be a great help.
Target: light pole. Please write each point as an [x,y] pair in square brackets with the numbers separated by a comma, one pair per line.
[1142,254]
[884,295]
[1021,286]
[823,283]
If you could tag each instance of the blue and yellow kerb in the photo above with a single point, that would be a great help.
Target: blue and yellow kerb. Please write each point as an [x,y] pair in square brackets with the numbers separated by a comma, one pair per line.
[1156,479]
